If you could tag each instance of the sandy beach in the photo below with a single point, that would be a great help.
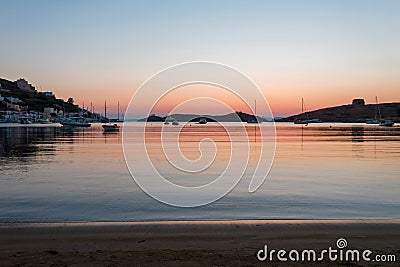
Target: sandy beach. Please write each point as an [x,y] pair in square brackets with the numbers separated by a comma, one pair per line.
[188,243]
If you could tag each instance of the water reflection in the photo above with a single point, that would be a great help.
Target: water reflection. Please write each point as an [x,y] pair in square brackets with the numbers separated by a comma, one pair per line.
[22,143]
[30,144]
[357,134]
[320,171]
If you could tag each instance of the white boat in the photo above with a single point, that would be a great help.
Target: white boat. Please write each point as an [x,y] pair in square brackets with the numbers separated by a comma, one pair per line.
[110,127]
[24,120]
[170,120]
[75,121]
[386,123]
[372,121]
[45,121]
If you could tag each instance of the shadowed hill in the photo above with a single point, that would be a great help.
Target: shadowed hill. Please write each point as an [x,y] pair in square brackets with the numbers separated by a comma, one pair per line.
[32,99]
[231,117]
[350,113]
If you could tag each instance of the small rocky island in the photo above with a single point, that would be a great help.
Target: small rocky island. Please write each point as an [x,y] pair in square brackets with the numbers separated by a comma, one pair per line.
[231,117]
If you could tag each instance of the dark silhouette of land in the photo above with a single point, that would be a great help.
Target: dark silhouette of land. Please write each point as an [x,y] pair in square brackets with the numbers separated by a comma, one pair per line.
[350,113]
[231,117]
[345,113]
[31,99]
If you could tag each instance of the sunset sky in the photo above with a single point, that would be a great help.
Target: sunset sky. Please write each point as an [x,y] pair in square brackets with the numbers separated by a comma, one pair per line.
[328,52]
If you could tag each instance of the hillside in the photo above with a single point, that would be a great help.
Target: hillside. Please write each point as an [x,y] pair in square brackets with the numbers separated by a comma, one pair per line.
[350,113]
[29,99]
[231,117]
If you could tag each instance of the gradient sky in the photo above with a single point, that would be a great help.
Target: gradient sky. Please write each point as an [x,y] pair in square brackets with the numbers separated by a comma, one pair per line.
[328,52]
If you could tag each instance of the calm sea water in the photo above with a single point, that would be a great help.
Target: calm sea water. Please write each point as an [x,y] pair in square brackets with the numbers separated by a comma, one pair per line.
[320,171]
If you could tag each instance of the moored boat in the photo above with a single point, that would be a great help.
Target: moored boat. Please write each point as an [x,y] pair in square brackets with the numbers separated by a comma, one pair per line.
[45,121]
[307,120]
[110,127]
[386,123]
[375,120]
[24,120]
[75,121]
[255,120]
[372,121]
[203,121]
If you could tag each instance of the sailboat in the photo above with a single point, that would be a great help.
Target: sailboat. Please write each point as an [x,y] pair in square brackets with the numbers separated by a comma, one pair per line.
[118,119]
[109,127]
[380,121]
[375,120]
[302,121]
[387,123]
[307,120]
[255,114]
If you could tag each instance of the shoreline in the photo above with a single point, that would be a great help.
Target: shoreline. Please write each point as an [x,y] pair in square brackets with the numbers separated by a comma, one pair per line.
[195,222]
[181,243]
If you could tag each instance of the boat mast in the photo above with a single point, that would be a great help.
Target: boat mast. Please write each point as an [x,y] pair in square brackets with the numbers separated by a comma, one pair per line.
[303,108]
[377,108]
[255,117]
[255,109]
[118,111]
[105,109]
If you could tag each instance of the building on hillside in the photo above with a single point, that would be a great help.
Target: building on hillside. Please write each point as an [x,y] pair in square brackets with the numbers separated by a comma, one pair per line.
[13,106]
[13,100]
[9,116]
[358,102]
[24,85]
[51,94]
[47,112]
[1,98]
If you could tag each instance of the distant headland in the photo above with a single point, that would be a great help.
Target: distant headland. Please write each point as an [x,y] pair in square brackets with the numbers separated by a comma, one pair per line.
[356,112]
[231,117]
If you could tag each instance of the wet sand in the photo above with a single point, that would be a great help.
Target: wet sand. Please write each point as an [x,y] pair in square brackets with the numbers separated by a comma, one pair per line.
[188,243]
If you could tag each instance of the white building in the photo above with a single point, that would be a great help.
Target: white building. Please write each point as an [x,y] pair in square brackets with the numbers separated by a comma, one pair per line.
[24,85]
[1,98]
[13,106]
[48,93]
[48,110]
[13,100]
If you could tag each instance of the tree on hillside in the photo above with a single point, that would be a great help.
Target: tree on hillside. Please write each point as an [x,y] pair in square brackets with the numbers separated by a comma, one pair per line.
[70,101]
